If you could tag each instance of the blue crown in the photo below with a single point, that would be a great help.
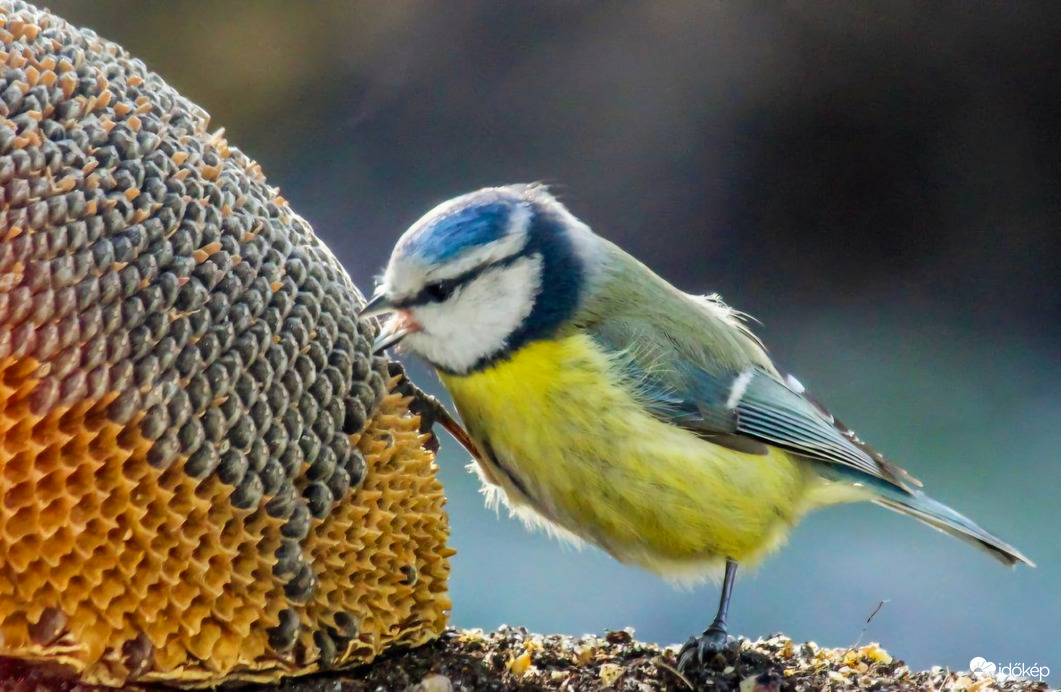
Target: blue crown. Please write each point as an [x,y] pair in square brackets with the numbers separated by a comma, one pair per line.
[467,222]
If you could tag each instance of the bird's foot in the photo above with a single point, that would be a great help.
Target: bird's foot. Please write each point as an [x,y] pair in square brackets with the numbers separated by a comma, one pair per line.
[421,403]
[431,412]
[698,650]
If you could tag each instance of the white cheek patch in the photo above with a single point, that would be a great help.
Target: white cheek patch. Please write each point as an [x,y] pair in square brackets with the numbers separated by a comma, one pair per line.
[476,322]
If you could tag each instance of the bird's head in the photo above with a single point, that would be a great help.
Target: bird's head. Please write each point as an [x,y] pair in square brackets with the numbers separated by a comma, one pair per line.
[482,274]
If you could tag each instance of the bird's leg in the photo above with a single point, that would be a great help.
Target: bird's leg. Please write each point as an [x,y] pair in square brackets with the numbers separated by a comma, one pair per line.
[714,639]
[431,411]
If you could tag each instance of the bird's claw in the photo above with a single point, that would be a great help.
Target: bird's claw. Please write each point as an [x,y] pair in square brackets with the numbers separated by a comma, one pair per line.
[421,403]
[698,650]
[431,412]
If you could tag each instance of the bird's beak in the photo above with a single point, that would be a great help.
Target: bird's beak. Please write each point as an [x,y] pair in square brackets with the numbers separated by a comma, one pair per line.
[394,330]
[400,324]
[378,304]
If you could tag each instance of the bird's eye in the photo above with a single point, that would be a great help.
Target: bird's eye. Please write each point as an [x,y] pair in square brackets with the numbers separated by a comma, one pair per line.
[438,291]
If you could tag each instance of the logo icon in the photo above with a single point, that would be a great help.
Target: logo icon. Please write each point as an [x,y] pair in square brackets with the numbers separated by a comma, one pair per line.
[983,666]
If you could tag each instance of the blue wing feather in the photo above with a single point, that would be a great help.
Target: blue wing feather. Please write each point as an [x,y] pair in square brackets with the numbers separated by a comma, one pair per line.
[769,411]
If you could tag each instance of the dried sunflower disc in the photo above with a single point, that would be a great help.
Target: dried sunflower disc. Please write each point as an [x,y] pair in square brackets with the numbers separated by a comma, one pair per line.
[202,473]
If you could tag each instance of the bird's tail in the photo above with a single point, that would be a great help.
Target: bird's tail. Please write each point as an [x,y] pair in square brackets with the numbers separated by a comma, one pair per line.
[942,518]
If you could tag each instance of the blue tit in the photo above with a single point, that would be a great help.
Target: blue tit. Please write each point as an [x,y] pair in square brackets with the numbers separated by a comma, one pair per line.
[608,405]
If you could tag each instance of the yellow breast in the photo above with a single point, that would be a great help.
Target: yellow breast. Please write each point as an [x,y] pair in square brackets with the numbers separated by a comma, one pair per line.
[569,439]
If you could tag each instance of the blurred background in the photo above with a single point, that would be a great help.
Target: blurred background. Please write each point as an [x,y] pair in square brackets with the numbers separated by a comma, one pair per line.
[879,184]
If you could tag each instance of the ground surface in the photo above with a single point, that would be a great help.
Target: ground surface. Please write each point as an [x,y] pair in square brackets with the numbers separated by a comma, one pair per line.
[513,659]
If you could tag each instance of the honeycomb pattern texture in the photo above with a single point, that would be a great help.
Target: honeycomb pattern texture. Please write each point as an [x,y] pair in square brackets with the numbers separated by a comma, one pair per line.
[202,474]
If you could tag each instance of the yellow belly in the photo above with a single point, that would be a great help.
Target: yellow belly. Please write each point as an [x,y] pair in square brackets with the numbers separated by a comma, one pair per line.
[570,442]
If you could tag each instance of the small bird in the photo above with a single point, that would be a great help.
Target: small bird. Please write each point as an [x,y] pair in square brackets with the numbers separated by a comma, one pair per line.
[606,404]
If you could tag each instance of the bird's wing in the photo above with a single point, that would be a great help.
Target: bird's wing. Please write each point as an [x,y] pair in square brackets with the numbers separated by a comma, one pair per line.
[742,406]
[782,414]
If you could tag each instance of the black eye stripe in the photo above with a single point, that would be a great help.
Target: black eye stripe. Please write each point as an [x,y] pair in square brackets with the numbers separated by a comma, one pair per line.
[439,291]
